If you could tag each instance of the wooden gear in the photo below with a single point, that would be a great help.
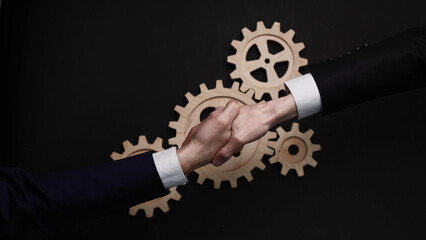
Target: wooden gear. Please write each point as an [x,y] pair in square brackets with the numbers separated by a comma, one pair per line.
[267,60]
[141,147]
[298,159]
[236,167]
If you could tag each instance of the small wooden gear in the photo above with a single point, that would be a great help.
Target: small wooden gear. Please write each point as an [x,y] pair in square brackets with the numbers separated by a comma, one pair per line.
[236,167]
[267,60]
[294,149]
[132,150]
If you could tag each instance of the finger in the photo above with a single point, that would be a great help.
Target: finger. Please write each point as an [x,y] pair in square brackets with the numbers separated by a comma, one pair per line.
[226,152]
[230,112]
[216,112]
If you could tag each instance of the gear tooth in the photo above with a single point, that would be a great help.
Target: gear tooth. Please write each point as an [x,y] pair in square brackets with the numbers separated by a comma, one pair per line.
[272,144]
[235,74]
[181,110]
[299,46]
[246,32]
[284,169]
[127,144]
[219,84]
[250,93]
[295,127]
[149,211]
[236,44]
[276,27]
[273,159]
[258,95]
[203,87]
[271,135]
[233,183]
[269,151]
[299,170]
[142,139]
[177,197]
[316,147]
[175,194]
[158,141]
[248,176]
[303,62]
[290,33]
[260,26]
[232,59]
[280,131]
[133,211]
[173,141]
[175,125]
[164,207]
[244,88]
[216,184]
[201,179]
[312,162]
[309,133]
[116,156]
[274,94]
[189,97]
[235,86]
[260,165]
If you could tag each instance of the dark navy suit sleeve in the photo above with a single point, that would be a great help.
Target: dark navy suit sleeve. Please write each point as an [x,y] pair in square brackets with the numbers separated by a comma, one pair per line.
[393,65]
[57,199]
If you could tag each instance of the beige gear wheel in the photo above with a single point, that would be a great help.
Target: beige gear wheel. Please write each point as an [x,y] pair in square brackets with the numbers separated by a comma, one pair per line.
[132,150]
[267,60]
[300,142]
[251,155]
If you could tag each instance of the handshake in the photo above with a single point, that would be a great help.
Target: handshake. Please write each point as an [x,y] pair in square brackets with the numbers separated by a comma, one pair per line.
[229,128]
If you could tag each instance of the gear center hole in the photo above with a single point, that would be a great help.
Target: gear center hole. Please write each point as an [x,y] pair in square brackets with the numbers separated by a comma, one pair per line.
[267,60]
[293,149]
[206,112]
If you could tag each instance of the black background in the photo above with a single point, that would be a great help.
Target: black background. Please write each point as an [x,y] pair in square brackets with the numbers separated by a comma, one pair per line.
[80,77]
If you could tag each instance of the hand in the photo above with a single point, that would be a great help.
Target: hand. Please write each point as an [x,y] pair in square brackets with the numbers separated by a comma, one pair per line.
[206,138]
[253,122]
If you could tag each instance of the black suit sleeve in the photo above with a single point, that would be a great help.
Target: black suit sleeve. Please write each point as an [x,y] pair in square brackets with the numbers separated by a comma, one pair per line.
[393,65]
[56,200]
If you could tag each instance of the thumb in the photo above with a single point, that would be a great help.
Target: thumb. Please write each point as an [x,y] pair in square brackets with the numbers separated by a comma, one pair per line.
[230,112]
[225,153]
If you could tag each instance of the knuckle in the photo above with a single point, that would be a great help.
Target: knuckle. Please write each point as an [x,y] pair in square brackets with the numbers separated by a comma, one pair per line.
[238,139]
[221,122]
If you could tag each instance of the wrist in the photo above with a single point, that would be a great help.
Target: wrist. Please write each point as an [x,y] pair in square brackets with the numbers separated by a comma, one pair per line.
[282,109]
[184,157]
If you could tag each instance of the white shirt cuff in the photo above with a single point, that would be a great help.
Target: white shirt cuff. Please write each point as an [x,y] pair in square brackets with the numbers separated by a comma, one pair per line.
[306,95]
[169,169]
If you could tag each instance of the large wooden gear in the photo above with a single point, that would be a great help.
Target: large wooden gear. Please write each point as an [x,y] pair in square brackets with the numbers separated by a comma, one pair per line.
[294,149]
[236,167]
[267,60]
[132,150]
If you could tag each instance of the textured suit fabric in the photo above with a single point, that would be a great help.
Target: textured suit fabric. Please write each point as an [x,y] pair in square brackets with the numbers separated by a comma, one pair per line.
[393,65]
[58,199]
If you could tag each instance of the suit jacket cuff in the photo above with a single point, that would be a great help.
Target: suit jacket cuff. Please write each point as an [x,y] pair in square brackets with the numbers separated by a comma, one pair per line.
[306,95]
[169,169]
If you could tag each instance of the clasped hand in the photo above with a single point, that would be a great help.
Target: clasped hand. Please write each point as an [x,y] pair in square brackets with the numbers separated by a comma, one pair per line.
[229,128]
